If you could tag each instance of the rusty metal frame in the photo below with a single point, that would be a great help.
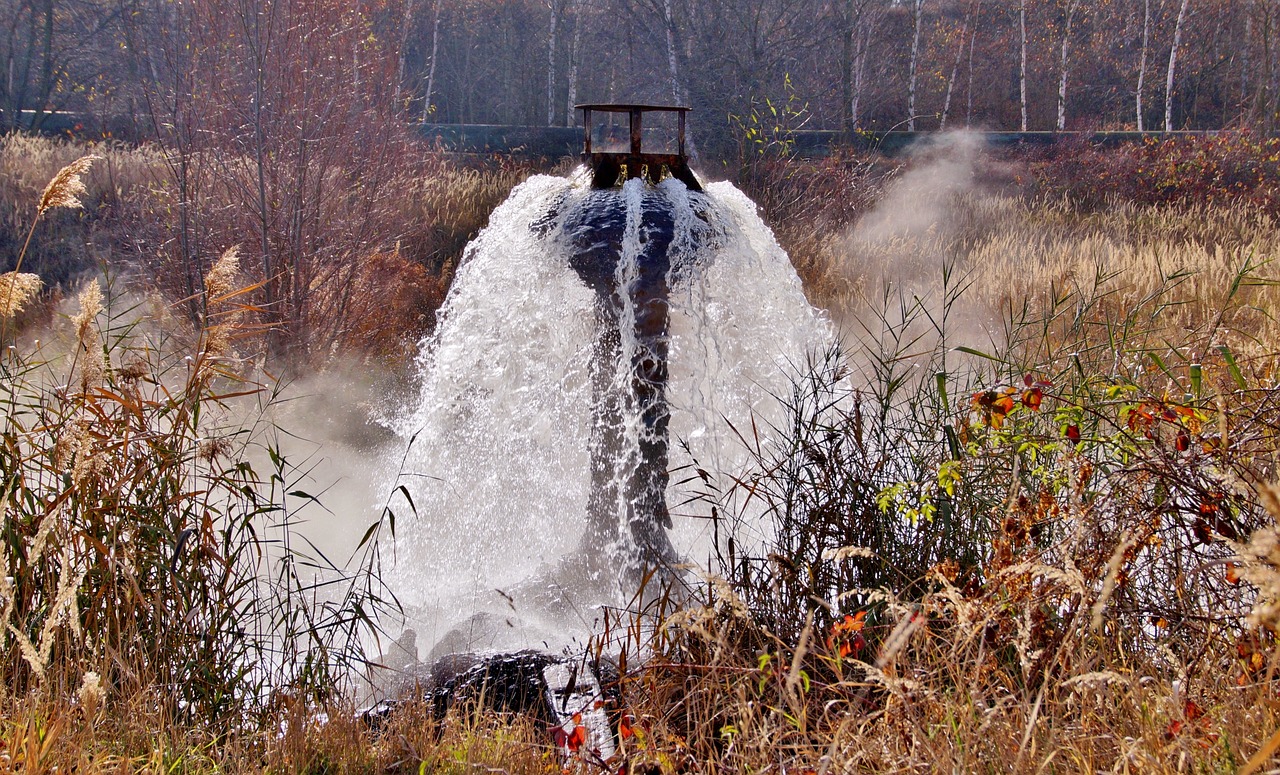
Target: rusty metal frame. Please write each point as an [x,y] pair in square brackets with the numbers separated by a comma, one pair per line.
[609,168]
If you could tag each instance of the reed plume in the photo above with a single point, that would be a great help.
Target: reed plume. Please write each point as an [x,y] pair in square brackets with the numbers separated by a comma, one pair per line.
[63,190]
[16,289]
[90,344]
[66,187]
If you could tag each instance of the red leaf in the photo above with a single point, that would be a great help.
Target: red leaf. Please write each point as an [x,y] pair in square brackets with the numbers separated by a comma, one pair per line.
[1072,432]
[1192,710]
[1183,442]
[1031,398]
[1233,575]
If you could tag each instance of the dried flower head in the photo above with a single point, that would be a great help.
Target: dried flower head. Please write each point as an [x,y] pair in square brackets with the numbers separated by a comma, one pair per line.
[90,346]
[1261,565]
[66,187]
[221,278]
[90,693]
[16,289]
[218,283]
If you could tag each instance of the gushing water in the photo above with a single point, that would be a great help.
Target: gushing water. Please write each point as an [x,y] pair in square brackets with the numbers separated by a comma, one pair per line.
[585,328]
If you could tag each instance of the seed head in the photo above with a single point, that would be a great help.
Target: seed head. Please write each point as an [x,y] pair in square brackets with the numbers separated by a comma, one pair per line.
[16,289]
[66,187]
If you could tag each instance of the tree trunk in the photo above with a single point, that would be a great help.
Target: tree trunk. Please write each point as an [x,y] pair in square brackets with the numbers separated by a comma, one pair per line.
[431,69]
[1142,59]
[572,100]
[1022,66]
[406,24]
[917,12]
[1173,65]
[955,68]
[968,113]
[672,65]
[846,66]
[1062,80]
[556,9]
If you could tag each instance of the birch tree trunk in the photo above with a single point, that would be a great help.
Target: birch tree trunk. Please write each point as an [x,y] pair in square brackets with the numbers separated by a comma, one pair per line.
[917,13]
[968,113]
[1072,6]
[572,100]
[1022,66]
[1173,65]
[1142,59]
[556,7]
[672,65]
[431,69]
[405,25]
[955,67]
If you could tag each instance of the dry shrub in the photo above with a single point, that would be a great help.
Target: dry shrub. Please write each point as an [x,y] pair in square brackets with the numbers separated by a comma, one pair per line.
[392,304]
[143,559]
[1226,168]
[64,243]
[447,202]
[1028,554]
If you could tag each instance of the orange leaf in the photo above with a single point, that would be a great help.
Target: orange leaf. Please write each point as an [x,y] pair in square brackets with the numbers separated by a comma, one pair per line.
[1192,710]
[1183,441]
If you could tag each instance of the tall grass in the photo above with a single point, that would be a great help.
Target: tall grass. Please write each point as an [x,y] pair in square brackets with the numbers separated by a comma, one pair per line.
[145,563]
[1034,554]
[377,263]
[1025,520]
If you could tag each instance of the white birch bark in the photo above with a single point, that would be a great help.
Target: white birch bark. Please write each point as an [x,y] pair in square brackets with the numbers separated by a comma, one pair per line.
[1173,65]
[405,25]
[968,113]
[431,70]
[955,69]
[1072,6]
[1022,66]
[1142,59]
[917,14]
[551,62]
[572,101]
[673,66]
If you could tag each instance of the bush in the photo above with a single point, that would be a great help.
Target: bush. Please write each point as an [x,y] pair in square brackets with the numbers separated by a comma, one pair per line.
[142,554]
[1224,168]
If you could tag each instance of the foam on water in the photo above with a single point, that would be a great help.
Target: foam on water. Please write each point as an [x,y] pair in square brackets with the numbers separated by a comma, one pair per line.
[497,456]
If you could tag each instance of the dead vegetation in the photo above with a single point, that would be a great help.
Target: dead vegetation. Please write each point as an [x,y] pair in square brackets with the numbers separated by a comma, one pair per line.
[1047,547]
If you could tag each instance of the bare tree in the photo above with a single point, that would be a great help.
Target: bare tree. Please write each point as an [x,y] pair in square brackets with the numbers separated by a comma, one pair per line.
[572,100]
[955,65]
[1022,61]
[917,13]
[1069,13]
[863,34]
[557,10]
[1173,64]
[1142,60]
[431,69]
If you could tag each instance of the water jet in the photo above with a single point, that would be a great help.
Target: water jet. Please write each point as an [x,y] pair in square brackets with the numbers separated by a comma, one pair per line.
[596,319]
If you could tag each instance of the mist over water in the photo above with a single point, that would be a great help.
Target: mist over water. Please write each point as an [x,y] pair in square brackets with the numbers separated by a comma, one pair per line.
[495,450]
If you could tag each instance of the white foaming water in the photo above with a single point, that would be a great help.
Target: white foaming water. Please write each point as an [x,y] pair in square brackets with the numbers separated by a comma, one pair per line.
[498,455]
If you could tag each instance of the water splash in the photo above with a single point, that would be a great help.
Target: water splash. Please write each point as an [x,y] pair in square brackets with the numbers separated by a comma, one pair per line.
[584,328]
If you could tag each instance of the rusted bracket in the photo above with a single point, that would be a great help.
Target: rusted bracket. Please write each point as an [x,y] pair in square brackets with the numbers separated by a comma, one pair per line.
[611,168]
